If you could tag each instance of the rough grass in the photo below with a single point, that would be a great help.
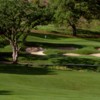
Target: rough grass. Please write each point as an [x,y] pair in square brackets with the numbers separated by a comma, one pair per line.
[20,84]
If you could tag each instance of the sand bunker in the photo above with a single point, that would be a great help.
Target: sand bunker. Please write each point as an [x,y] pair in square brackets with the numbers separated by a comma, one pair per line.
[71,54]
[96,55]
[74,54]
[35,50]
[38,53]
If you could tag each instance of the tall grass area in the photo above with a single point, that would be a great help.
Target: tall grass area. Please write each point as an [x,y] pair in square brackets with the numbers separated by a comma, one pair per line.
[28,83]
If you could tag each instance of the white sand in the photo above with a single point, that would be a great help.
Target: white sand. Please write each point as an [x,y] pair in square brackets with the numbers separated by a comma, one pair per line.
[71,54]
[96,55]
[38,53]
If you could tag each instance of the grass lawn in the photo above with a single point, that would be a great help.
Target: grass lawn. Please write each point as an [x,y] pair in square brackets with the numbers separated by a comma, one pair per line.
[25,82]
[28,83]
[40,38]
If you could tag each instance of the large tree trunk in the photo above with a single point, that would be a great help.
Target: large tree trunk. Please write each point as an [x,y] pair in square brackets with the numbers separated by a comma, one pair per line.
[74,30]
[14,52]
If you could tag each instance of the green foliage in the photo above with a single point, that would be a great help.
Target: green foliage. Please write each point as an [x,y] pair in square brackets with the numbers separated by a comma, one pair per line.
[14,18]
[93,7]
[18,17]
[68,13]
[90,9]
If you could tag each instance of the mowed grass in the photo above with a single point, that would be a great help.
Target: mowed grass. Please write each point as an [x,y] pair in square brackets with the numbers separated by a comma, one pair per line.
[63,40]
[19,83]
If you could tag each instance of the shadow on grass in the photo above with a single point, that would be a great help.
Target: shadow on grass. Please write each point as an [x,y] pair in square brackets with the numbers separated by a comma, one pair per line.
[5,55]
[80,33]
[51,45]
[78,63]
[5,92]
[31,57]
[26,56]
[25,69]
[88,33]
[46,35]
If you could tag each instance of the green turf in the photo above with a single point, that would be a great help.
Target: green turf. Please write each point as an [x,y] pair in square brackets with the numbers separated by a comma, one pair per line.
[19,83]
[63,40]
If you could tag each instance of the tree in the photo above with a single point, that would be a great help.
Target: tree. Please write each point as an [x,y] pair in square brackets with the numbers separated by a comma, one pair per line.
[17,17]
[68,12]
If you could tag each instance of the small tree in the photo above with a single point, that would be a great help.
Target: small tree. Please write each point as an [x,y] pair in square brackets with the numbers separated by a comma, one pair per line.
[68,12]
[17,17]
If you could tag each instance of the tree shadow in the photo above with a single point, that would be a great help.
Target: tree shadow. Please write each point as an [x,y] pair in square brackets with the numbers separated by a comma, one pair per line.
[28,56]
[51,45]
[47,35]
[5,55]
[25,69]
[5,92]
[88,33]
[77,63]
